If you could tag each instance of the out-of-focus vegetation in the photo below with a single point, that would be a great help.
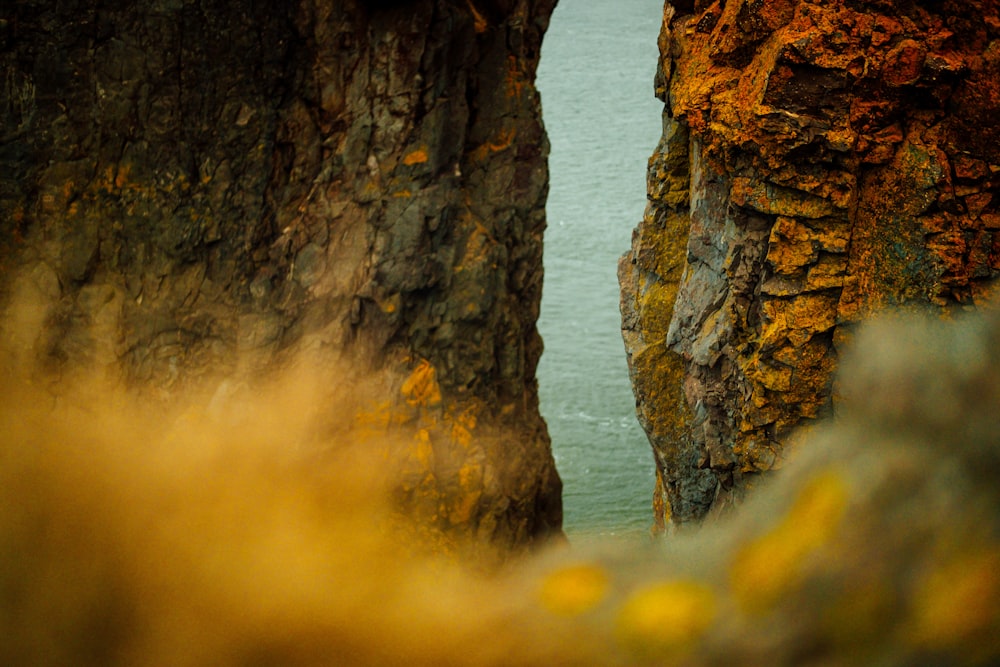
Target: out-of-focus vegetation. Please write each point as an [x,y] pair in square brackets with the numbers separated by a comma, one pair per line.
[252,524]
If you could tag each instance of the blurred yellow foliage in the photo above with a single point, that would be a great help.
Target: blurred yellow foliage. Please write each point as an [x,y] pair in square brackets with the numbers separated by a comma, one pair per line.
[958,602]
[666,617]
[574,589]
[770,566]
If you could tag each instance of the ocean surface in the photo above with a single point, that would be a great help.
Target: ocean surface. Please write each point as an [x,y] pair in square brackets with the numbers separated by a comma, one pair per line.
[596,81]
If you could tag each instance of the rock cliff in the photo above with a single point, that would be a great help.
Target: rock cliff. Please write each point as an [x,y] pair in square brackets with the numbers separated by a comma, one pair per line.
[820,161]
[191,188]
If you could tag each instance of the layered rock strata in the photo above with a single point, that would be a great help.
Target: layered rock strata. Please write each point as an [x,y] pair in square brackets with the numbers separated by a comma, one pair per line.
[194,188]
[820,161]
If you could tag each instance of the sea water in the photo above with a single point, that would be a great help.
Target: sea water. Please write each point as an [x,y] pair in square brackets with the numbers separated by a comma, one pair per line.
[596,81]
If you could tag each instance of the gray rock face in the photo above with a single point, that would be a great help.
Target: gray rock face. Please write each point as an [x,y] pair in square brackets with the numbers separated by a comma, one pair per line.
[189,187]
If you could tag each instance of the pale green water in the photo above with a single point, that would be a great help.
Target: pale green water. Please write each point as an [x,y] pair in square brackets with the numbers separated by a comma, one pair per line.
[596,80]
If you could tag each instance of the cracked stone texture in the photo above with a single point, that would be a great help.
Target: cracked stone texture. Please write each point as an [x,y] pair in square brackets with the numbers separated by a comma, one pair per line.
[192,186]
[820,162]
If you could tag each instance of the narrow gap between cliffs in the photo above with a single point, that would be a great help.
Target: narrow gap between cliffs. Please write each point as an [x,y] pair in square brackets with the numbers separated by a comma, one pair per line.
[596,81]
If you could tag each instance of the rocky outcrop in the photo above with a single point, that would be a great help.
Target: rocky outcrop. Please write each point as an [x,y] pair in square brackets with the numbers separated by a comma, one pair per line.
[819,162]
[194,188]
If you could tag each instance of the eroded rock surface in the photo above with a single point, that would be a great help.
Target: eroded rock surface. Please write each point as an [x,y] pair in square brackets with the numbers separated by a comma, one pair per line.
[193,188]
[820,161]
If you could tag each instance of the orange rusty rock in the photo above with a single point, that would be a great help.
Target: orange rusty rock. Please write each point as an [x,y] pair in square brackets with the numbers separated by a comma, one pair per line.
[844,158]
[791,246]
[904,63]
[969,168]
[419,156]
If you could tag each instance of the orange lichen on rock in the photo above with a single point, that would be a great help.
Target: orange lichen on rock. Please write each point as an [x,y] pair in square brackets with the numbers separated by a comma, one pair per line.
[503,141]
[418,156]
[479,21]
[463,425]
[421,388]
[376,419]
[515,78]
[829,169]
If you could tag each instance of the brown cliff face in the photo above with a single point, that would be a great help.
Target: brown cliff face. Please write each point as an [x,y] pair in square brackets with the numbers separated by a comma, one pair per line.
[192,188]
[819,162]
